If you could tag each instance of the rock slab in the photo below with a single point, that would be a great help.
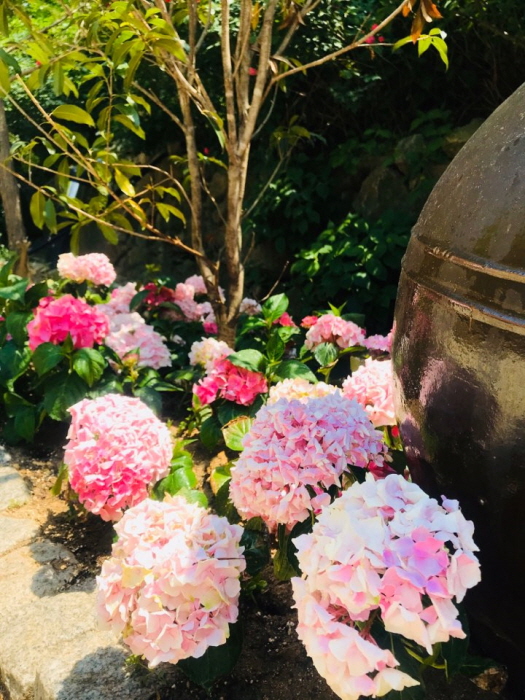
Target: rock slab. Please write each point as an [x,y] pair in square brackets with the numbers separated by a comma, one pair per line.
[13,489]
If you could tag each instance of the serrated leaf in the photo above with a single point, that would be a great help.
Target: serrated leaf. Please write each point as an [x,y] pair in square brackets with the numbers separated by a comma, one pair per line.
[326,354]
[220,476]
[248,359]
[234,432]
[216,661]
[16,323]
[47,356]
[89,364]
[210,433]
[72,113]
[292,369]
[274,307]
[150,397]
[61,392]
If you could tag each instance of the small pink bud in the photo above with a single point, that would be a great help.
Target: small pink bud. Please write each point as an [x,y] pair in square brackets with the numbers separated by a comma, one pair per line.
[252,71]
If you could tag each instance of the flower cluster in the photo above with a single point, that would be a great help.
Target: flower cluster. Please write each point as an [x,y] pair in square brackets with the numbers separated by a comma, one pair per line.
[379,343]
[172,582]
[299,389]
[207,351]
[120,299]
[56,319]
[250,307]
[334,329]
[227,381]
[117,448]
[383,546]
[93,267]
[372,385]
[136,342]
[295,448]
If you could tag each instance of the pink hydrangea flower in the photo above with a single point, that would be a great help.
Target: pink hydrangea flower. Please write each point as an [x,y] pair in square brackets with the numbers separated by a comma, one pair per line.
[309,321]
[56,319]
[293,445]
[117,448]
[384,546]
[372,385]
[285,320]
[197,282]
[135,341]
[379,343]
[334,329]
[171,585]
[299,389]
[93,267]
[227,381]
[250,307]
[120,299]
[205,352]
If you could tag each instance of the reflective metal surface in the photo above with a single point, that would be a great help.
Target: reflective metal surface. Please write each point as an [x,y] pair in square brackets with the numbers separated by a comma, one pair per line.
[459,356]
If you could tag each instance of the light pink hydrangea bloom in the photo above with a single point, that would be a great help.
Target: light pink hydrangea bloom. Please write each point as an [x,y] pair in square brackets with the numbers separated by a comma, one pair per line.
[379,343]
[206,351]
[334,329]
[382,546]
[250,307]
[120,299]
[172,584]
[93,267]
[299,389]
[134,340]
[55,319]
[293,445]
[116,449]
[197,282]
[372,385]
[227,381]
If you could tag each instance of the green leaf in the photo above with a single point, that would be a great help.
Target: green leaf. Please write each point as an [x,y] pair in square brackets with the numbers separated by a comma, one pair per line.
[215,662]
[275,347]
[25,421]
[14,292]
[46,357]
[248,359]
[228,411]
[256,551]
[50,216]
[62,475]
[138,299]
[220,476]
[282,567]
[124,184]
[89,364]
[274,307]
[16,323]
[5,80]
[326,354]
[210,433]
[128,123]
[36,208]
[194,496]
[150,397]
[109,233]
[13,363]
[234,432]
[292,369]
[61,392]
[72,113]
[183,478]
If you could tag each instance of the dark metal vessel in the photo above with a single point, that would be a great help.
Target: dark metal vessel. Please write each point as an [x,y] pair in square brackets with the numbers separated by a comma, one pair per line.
[459,356]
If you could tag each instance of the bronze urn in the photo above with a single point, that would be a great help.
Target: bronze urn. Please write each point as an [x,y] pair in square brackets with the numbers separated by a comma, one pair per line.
[459,359]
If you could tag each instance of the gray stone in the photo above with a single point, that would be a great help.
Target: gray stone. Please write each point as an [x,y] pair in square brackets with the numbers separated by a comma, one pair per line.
[5,457]
[382,190]
[408,151]
[15,532]
[13,489]
[91,667]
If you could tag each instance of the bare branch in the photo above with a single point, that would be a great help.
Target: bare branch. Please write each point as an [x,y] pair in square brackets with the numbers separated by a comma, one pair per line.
[294,26]
[227,76]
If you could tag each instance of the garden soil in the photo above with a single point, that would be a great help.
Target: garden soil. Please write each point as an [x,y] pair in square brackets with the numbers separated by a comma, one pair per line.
[273,664]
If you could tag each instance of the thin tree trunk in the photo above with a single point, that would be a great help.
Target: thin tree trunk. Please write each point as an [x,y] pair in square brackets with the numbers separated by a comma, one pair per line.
[10,194]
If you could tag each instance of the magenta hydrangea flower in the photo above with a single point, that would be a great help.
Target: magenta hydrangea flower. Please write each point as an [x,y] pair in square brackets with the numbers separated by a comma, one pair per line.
[294,447]
[372,385]
[93,267]
[383,547]
[227,381]
[117,448]
[334,329]
[172,584]
[56,319]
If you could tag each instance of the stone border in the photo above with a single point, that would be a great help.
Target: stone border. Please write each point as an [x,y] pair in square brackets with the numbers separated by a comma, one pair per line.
[50,645]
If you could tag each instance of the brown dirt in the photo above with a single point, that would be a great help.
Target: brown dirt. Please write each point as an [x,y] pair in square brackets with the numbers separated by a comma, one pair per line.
[273,664]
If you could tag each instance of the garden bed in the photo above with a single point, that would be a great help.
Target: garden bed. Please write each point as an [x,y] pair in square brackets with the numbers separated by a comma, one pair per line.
[273,664]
